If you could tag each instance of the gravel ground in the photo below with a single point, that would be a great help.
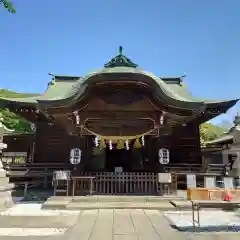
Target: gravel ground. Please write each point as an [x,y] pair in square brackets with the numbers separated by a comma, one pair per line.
[25,232]
[217,221]
[34,209]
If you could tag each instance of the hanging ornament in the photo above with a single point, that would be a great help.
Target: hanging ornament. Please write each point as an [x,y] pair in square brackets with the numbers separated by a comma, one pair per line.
[77,117]
[161,120]
[143,140]
[120,144]
[137,143]
[127,145]
[96,140]
[102,143]
[110,145]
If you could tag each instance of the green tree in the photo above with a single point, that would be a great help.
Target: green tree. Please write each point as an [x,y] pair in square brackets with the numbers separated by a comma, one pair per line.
[14,122]
[209,131]
[10,119]
[8,5]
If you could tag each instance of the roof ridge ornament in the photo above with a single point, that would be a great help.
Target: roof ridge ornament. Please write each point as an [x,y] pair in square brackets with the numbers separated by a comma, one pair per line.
[237,120]
[120,61]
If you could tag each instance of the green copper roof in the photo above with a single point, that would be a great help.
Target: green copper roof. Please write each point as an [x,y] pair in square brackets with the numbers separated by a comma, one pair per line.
[61,92]
[68,89]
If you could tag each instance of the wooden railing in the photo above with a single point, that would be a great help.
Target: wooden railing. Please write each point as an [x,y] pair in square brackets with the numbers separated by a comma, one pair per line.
[185,168]
[104,182]
[121,183]
[109,182]
[33,172]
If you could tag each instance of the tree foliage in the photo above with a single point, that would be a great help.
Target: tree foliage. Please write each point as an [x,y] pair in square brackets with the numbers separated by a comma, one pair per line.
[8,5]
[209,131]
[14,122]
[10,119]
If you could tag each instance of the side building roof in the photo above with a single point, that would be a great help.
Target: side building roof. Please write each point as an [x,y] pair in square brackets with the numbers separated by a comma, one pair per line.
[227,137]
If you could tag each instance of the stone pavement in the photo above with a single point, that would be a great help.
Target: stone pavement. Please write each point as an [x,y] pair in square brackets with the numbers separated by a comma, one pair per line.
[135,224]
[108,224]
[122,224]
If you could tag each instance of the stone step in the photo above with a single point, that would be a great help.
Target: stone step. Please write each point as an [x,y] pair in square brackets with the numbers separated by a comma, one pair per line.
[163,206]
[109,198]
[37,221]
[71,205]
[56,205]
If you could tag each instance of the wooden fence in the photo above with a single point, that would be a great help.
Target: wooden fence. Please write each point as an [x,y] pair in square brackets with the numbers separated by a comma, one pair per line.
[109,182]
[121,183]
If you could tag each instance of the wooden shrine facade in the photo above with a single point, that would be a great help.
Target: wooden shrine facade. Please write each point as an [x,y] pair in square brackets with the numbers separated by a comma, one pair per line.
[130,113]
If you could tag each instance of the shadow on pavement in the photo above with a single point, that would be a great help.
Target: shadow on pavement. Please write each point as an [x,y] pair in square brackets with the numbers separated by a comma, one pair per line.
[226,228]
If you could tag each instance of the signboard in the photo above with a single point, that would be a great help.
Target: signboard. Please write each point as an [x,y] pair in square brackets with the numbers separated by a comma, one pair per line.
[209,182]
[228,182]
[75,156]
[118,169]
[163,156]
[62,175]
[164,178]
[191,181]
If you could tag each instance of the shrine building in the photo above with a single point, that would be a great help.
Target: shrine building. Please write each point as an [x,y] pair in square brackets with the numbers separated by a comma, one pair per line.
[121,118]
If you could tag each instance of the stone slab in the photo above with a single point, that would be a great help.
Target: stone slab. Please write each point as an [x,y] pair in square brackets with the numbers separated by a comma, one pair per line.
[90,199]
[55,204]
[137,199]
[37,221]
[120,205]
[109,198]
[163,198]
[103,226]
[162,226]
[60,198]
[122,222]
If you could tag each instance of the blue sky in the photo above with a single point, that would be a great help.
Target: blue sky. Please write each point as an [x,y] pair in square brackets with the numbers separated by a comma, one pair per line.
[166,37]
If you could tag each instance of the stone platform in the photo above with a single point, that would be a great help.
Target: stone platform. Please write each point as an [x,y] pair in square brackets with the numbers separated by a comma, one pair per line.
[111,202]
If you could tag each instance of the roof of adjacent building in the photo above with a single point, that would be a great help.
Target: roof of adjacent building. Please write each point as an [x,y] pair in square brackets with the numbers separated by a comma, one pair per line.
[227,137]
[65,89]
